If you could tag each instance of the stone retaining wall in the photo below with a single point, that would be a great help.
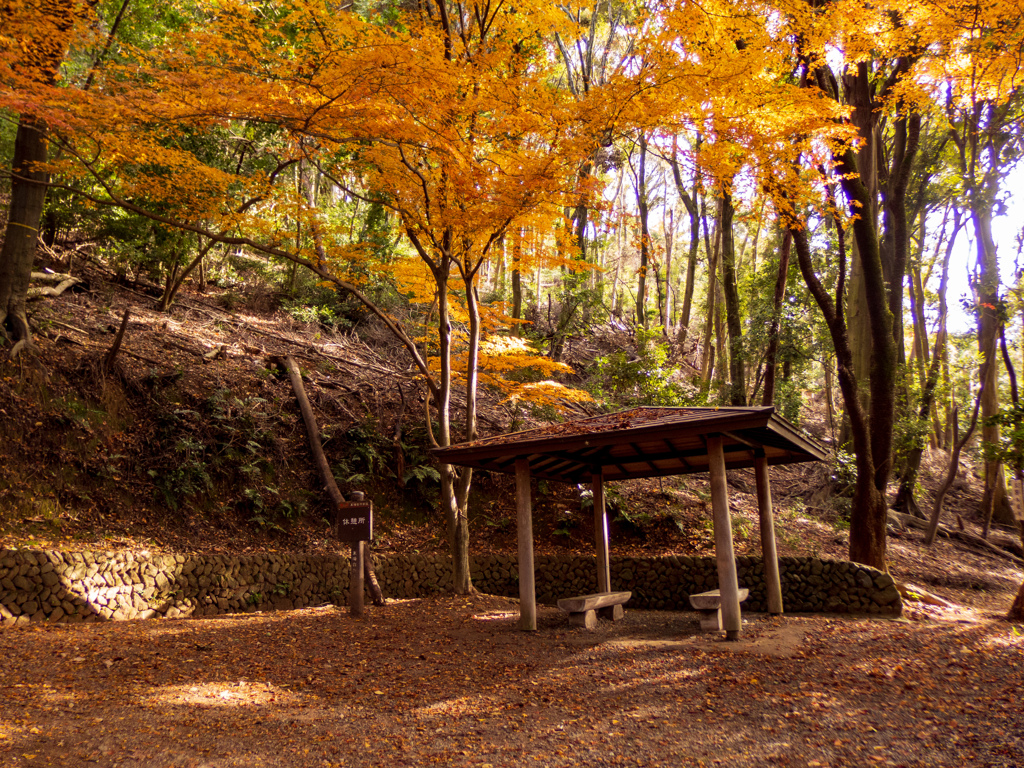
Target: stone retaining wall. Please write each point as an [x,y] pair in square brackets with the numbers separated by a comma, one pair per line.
[40,585]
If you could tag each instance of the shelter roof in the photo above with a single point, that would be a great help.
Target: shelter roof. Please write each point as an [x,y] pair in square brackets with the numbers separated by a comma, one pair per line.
[640,442]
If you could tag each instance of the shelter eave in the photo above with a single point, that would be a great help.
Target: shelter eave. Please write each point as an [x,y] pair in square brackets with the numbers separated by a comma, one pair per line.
[642,443]
[537,441]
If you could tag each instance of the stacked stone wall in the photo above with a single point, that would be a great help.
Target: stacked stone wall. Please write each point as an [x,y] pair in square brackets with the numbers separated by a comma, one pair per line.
[46,585]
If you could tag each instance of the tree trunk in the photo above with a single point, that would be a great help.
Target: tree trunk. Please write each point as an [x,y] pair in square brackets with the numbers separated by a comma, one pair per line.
[455,482]
[460,533]
[859,96]
[517,281]
[995,501]
[692,203]
[719,374]
[28,192]
[905,496]
[668,225]
[737,375]
[768,398]
[868,515]
[707,353]
[45,46]
[645,235]
[178,275]
[1017,609]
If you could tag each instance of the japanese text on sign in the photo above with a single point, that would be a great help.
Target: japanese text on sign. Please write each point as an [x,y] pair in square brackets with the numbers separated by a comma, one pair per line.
[355,521]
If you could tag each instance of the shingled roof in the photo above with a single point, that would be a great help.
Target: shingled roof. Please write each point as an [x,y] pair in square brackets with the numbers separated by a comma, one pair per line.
[640,442]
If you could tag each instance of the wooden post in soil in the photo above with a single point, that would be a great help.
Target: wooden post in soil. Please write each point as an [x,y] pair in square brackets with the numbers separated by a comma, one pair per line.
[769,555]
[728,583]
[360,558]
[524,527]
[355,581]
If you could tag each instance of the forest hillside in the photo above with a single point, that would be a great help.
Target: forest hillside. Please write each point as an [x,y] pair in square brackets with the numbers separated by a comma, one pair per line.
[189,439]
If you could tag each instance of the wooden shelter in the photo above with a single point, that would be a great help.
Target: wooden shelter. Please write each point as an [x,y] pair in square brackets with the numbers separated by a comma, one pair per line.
[647,442]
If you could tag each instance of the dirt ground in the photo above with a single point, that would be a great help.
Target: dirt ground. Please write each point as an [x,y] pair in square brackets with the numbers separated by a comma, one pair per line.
[452,681]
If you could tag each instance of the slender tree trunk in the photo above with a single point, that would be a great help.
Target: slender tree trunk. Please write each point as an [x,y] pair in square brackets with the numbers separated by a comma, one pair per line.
[994,501]
[666,305]
[517,279]
[177,277]
[954,465]
[737,366]
[1016,612]
[692,203]
[768,397]
[454,480]
[709,316]
[720,372]
[569,299]
[645,234]
[905,496]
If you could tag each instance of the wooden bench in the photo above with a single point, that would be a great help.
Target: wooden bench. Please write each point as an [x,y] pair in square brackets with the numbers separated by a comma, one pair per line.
[709,605]
[583,610]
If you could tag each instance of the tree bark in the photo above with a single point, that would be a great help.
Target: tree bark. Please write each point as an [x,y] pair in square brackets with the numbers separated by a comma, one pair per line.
[868,516]
[995,502]
[668,225]
[905,496]
[28,192]
[692,203]
[737,375]
[517,280]
[45,45]
[177,278]
[707,352]
[1016,612]
[768,397]
[645,235]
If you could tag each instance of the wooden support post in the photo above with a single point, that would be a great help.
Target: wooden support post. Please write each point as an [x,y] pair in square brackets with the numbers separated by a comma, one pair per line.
[728,583]
[769,555]
[604,577]
[524,526]
[355,583]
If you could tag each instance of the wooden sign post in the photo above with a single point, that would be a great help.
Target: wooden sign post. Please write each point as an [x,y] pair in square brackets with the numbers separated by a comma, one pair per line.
[355,525]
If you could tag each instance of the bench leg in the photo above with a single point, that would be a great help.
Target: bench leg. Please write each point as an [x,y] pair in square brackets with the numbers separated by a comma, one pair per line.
[711,621]
[612,612]
[586,619]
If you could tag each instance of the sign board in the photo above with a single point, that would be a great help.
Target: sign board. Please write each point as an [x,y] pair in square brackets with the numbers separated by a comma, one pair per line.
[355,521]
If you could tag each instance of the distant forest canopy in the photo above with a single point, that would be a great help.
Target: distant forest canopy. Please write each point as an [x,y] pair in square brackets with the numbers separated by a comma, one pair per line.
[761,198]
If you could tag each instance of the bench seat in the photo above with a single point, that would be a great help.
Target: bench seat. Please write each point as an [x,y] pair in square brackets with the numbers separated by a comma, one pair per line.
[583,610]
[709,605]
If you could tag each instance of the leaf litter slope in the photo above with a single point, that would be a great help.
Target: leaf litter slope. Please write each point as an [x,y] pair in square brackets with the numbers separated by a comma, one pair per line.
[451,681]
